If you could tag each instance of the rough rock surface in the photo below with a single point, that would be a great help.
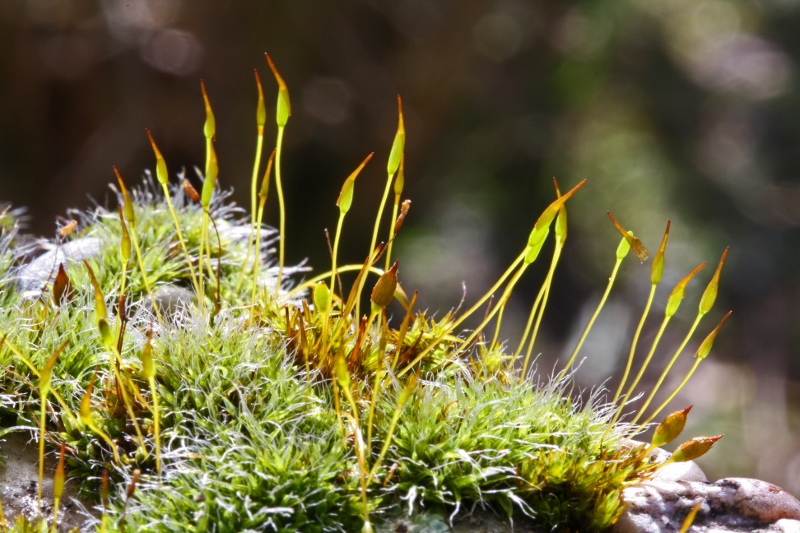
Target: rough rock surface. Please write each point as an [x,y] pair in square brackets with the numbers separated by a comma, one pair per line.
[32,277]
[685,471]
[19,478]
[433,522]
[659,506]
[729,505]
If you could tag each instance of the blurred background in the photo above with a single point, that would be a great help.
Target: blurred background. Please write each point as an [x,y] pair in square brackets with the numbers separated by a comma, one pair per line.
[681,110]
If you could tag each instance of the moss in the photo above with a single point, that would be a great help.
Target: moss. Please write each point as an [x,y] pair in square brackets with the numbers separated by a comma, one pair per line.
[279,410]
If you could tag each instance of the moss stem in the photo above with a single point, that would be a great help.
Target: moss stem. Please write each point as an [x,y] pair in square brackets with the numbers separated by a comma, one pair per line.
[668,367]
[282,210]
[635,342]
[594,315]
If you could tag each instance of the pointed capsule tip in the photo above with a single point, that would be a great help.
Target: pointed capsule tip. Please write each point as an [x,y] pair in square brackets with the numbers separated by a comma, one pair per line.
[635,244]
[274,70]
[572,191]
[666,233]
[363,163]
[664,239]
[150,136]
[555,184]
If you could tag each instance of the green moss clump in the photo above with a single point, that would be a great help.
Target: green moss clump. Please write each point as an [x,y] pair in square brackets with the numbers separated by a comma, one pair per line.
[278,406]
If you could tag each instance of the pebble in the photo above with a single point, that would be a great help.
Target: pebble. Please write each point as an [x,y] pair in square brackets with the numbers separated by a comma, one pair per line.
[19,480]
[34,276]
[729,505]
[686,471]
[172,299]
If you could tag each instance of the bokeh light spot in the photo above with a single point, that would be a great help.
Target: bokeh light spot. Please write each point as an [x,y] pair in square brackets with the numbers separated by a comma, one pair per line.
[327,99]
[173,51]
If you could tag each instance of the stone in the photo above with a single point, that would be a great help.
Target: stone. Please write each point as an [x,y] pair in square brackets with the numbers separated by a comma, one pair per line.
[172,299]
[19,479]
[479,521]
[729,505]
[686,471]
[33,277]
[787,525]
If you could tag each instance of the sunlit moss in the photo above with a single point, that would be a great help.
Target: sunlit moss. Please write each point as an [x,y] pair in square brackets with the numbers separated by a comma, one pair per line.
[282,407]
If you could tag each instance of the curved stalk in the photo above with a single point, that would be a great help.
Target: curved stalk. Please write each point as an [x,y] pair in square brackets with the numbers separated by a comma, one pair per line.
[674,393]
[635,342]
[595,314]
[668,368]
[539,316]
[471,310]
[282,210]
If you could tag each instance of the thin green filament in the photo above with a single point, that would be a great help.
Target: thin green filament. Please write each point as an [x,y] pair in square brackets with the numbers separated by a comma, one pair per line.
[595,314]
[674,393]
[644,367]
[282,209]
[669,367]
[635,342]
[466,315]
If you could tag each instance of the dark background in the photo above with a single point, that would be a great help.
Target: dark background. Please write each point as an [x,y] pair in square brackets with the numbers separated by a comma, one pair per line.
[686,110]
